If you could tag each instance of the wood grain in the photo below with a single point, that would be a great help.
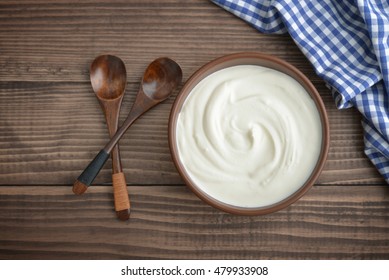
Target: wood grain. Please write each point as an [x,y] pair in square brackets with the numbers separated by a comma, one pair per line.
[51,126]
[50,132]
[57,41]
[170,222]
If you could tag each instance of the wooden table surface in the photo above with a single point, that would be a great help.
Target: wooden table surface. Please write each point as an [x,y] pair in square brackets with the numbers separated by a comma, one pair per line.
[51,126]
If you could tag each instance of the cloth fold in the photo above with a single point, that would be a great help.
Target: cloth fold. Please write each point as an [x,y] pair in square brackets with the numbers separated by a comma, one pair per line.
[347,43]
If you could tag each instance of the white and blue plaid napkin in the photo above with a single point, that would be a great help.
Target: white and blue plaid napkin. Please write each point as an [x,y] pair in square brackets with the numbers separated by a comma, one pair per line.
[348,44]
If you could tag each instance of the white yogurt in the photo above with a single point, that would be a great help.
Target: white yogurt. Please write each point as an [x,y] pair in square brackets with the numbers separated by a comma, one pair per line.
[249,136]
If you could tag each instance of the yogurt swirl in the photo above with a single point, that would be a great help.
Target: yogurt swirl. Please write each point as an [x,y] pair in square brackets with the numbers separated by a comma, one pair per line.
[249,136]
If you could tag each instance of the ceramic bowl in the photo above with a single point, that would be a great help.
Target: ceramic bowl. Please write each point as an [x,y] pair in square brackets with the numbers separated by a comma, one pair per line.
[247,58]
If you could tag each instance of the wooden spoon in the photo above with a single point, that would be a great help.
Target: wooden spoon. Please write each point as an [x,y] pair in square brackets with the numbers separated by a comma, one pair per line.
[108,78]
[161,77]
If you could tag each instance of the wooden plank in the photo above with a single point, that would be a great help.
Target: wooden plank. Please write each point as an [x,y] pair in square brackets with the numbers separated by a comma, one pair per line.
[56,41]
[330,222]
[50,131]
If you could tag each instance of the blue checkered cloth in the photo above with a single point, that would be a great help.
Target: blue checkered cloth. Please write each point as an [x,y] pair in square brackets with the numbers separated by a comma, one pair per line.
[347,42]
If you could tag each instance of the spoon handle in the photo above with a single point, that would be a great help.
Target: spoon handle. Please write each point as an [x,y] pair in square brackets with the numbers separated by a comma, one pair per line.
[120,192]
[89,174]
[141,105]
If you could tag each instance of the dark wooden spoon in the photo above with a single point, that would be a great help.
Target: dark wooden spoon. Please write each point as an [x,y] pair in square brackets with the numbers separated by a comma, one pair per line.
[108,77]
[161,77]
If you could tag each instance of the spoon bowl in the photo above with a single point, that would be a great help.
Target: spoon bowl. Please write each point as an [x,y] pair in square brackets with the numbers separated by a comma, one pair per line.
[108,77]
[160,77]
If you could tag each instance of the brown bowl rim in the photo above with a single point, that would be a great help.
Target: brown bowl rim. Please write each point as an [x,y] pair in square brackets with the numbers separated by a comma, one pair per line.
[248,58]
